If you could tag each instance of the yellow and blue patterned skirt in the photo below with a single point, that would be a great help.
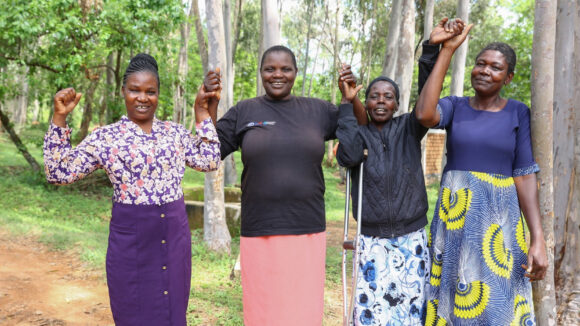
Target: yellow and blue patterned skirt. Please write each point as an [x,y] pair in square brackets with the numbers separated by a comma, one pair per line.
[477,246]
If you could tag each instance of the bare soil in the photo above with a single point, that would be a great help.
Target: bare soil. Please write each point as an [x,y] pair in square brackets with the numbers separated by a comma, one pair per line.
[42,287]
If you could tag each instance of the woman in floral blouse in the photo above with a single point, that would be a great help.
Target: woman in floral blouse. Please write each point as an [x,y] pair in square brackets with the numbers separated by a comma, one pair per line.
[149,253]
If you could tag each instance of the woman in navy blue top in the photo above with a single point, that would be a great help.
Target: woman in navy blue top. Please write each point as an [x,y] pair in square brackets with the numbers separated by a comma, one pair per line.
[481,265]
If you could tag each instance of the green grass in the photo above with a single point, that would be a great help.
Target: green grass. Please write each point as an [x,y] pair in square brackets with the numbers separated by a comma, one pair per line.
[76,217]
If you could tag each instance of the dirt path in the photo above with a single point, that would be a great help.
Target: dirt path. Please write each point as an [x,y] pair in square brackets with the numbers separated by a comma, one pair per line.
[40,287]
[45,288]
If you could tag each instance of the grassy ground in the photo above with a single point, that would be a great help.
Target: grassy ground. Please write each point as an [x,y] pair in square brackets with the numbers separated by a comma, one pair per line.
[75,217]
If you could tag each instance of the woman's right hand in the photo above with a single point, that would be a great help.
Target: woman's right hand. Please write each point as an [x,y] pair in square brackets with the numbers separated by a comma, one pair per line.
[446,30]
[65,101]
[208,96]
[347,84]
[456,41]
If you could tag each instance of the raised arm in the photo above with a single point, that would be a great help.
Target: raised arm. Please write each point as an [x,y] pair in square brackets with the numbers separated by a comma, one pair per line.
[350,148]
[62,163]
[426,108]
[212,85]
[443,31]
[346,76]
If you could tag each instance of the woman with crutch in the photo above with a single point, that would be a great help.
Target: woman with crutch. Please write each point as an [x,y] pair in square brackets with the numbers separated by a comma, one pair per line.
[392,247]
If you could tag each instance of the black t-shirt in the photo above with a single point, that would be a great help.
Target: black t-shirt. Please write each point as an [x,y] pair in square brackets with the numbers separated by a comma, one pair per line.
[282,146]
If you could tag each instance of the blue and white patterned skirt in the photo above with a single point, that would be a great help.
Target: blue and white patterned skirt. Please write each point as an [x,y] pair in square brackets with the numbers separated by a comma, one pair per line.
[391,280]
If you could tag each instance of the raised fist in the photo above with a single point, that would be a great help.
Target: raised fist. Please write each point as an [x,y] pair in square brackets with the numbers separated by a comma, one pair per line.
[65,101]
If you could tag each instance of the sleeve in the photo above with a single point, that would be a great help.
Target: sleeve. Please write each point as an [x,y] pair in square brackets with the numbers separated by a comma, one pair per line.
[446,108]
[62,163]
[415,127]
[524,162]
[427,62]
[226,130]
[202,151]
[332,121]
[350,146]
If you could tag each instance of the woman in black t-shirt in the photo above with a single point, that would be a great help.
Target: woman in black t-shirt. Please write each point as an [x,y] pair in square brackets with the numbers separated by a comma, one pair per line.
[283,242]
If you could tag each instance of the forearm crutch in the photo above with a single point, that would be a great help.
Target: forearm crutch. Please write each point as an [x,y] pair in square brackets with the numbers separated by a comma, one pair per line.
[348,307]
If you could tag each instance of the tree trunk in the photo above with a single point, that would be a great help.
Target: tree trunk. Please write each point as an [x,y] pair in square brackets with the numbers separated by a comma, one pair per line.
[6,124]
[567,165]
[405,56]
[216,232]
[201,43]
[333,87]
[21,100]
[108,95]
[370,43]
[542,87]
[391,52]
[230,175]
[237,29]
[306,54]
[458,65]
[88,111]
[428,23]
[36,114]
[270,34]
[362,39]
[113,113]
[179,100]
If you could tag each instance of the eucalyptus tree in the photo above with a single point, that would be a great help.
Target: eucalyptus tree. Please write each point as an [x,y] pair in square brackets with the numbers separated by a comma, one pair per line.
[216,233]
[428,18]
[179,99]
[566,173]
[458,65]
[541,124]
[269,33]
[391,50]
[406,55]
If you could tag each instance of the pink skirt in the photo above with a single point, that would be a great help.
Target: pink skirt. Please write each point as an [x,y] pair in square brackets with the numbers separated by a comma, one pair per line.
[283,279]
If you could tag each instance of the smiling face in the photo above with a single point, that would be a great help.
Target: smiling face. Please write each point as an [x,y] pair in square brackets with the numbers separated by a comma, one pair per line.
[141,94]
[381,103]
[490,73]
[278,75]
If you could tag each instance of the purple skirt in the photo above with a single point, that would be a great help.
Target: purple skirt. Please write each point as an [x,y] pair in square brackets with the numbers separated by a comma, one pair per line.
[149,264]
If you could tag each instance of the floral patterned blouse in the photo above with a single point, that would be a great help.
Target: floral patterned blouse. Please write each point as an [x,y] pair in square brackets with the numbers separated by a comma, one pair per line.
[145,169]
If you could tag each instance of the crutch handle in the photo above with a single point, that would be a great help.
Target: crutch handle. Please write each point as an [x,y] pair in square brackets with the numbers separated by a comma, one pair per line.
[348,245]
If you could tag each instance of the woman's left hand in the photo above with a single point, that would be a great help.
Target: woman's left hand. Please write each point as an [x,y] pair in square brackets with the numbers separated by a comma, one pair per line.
[537,261]
[202,102]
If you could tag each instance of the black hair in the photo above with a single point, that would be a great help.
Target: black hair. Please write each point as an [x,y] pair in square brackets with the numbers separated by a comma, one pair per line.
[142,62]
[386,79]
[506,50]
[279,48]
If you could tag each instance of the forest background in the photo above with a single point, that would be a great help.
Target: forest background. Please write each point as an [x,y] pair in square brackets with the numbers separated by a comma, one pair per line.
[47,45]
